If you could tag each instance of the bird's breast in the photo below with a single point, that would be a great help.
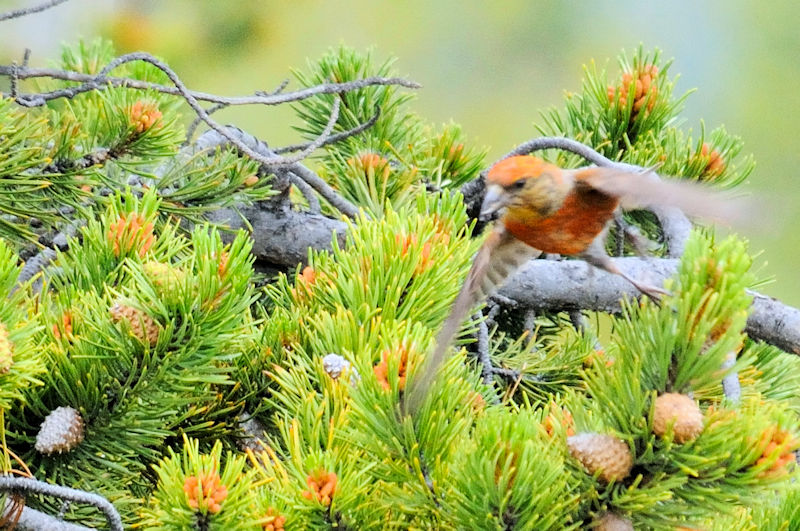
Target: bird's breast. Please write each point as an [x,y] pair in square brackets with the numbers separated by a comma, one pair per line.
[570,230]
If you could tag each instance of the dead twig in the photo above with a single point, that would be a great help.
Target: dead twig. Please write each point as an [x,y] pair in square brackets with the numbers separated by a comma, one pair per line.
[17,13]
[91,82]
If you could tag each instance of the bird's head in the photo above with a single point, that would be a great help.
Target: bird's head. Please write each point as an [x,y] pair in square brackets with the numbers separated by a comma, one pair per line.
[524,187]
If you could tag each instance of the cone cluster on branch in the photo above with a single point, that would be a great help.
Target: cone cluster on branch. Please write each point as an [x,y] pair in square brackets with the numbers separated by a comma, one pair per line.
[335,365]
[613,522]
[382,369]
[776,440]
[716,164]
[371,162]
[567,423]
[144,115]
[65,326]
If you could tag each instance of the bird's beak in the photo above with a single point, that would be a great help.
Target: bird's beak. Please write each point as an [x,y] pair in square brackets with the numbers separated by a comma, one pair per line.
[493,202]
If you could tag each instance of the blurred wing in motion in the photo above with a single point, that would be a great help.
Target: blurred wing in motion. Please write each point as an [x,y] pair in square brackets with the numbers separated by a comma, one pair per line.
[497,259]
[643,190]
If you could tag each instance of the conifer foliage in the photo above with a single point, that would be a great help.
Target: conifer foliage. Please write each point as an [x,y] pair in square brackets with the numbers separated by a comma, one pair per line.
[150,363]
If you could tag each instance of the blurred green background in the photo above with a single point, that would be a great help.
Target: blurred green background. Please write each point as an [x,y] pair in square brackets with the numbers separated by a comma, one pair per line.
[490,66]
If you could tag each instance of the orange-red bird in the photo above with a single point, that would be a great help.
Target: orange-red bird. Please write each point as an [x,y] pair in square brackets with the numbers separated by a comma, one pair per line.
[541,207]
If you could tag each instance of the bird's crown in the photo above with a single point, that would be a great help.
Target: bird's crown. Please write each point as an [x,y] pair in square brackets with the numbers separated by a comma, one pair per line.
[510,170]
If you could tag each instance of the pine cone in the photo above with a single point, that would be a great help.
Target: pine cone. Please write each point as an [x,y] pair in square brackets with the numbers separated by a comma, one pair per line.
[6,350]
[142,325]
[680,410]
[613,522]
[61,431]
[335,365]
[604,453]
[166,278]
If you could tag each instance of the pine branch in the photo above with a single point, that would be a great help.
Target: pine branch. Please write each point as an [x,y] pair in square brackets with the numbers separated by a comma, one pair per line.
[338,137]
[283,238]
[17,13]
[193,102]
[487,369]
[92,82]
[296,170]
[31,519]
[545,285]
[64,493]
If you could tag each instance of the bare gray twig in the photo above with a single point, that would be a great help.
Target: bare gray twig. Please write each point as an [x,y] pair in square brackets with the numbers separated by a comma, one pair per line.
[33,520]
[308,193]
[510,374]
[33,266]
[91,82]
[275,160]
[731,386]
[30,10]
[323,189]
[8,483]
[487,369]
[210,139]
[332,139]
[197,121]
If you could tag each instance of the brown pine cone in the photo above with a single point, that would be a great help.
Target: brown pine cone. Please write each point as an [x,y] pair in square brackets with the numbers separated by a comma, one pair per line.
[142,325]
[604,453]
[680,410]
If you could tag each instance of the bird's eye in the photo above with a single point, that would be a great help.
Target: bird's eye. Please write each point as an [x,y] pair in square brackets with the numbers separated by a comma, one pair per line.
[518,185]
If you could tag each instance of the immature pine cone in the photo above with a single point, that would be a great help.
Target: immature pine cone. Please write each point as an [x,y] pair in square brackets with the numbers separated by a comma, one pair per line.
[604,453]
[142,325]
[683,411]
[613,522]
[166,278]
[335,365]
[61,431]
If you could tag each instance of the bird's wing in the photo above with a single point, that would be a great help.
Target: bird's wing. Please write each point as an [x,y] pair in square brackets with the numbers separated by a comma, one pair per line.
[643,190]
[497,259]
